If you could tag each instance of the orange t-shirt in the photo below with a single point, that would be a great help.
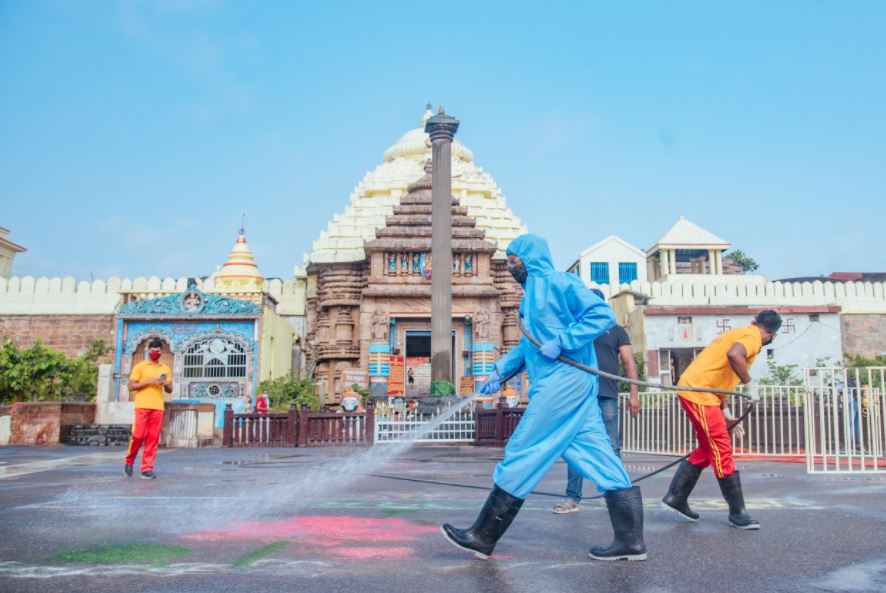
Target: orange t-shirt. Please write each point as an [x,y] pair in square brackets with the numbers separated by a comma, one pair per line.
[711,367]
[151,396]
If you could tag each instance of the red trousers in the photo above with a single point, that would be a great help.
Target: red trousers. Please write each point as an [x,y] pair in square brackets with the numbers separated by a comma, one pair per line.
[145,430]
[714,441]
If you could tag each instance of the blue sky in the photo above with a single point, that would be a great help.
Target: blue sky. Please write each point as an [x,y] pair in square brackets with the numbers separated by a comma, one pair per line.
[135,133]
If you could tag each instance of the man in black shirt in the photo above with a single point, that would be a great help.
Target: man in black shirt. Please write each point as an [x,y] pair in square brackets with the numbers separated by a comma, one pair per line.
[609,347]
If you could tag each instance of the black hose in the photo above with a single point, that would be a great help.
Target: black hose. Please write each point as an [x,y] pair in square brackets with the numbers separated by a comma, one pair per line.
[578,365]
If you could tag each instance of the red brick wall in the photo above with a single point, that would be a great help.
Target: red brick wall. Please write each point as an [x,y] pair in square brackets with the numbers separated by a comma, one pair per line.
[41,423]
[70,334]
[864,334]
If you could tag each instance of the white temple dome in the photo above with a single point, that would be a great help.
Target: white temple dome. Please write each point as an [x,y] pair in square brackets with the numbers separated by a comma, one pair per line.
[380,190]
[417,143]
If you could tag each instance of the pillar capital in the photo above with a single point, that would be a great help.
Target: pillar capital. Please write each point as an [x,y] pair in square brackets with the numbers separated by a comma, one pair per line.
[441,126]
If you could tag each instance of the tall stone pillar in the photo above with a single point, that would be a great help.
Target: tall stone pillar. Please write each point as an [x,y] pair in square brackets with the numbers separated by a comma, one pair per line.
[441,128]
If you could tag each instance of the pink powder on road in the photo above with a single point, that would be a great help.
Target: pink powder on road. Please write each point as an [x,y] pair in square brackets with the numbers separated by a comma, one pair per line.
[322,530]
[367,553]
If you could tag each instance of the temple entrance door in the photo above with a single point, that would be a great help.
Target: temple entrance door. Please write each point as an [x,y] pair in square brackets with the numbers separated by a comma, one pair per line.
[141,353]
[167,357]
[417,363]
[673,361]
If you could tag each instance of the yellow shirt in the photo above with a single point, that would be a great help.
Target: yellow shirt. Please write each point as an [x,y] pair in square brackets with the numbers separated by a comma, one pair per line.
[711,367]
[151,396]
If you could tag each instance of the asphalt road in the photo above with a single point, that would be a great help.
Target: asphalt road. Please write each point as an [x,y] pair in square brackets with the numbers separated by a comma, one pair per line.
[327,520]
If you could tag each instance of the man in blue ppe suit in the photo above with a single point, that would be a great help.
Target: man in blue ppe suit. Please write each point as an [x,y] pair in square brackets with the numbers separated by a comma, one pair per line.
[563,418]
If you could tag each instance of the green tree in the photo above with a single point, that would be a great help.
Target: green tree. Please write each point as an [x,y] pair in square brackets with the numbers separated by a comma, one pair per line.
[84,379]
[39,373]
[745,262]
[858,361]
[33,374]
[781,374]
[364,393]
[286,390]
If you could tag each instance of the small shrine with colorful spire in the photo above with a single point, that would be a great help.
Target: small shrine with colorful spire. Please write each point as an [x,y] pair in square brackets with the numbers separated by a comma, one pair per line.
[240,274]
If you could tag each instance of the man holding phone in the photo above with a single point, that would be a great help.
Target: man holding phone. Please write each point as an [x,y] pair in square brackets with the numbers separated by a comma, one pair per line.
[148,380]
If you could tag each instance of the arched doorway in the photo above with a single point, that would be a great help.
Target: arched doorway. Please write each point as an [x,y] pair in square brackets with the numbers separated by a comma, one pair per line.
[167,357]
[217,369]
[141,353]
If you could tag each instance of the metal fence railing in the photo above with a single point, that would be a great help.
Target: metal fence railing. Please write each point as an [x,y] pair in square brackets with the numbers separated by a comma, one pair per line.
[774,428]
[835,420]
[845,421]
[394,425]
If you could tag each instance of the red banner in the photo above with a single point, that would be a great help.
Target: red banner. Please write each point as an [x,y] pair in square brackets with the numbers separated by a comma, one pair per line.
[395,380]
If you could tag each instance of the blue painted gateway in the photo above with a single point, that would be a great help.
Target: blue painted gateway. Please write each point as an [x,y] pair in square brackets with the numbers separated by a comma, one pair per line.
[210,341]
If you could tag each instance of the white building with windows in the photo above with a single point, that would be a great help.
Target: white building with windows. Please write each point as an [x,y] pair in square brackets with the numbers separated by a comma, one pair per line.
[686,293]
[673,336]
[611,263]
[685,249]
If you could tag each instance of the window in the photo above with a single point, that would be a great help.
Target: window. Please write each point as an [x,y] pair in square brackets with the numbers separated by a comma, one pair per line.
[215,358]
[684,320]
[814,317]
[770,353]
[600,272]
[627,272]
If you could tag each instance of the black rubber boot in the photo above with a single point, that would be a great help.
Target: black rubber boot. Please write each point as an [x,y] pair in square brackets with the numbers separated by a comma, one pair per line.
[494,519]
[626,514]
[730,486]
[677,498]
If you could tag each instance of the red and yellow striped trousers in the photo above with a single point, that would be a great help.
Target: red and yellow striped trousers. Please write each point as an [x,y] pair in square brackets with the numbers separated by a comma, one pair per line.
[714,441]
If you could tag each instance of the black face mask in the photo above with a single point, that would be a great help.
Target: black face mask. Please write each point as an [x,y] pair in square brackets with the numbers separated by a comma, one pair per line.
[519,273]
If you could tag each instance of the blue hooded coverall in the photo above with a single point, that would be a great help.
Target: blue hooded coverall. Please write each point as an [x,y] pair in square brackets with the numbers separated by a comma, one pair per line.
[563,417]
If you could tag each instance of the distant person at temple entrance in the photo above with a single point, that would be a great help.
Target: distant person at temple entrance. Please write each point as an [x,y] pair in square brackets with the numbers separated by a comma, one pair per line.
[262,404]
[147,381]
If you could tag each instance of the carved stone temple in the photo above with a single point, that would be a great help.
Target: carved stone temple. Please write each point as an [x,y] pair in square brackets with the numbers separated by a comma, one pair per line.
[373,313]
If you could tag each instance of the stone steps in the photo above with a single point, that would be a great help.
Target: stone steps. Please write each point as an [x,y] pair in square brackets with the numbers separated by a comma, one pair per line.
[96,435]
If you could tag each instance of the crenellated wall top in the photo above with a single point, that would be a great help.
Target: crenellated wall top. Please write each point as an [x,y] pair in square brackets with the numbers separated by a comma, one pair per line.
[27,295]
[852,297]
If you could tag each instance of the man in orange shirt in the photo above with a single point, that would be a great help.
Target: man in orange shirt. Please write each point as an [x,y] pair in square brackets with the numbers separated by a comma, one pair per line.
[722,365]
[148,380]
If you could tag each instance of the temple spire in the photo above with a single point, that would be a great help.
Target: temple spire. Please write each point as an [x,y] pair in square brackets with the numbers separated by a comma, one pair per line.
[240,272]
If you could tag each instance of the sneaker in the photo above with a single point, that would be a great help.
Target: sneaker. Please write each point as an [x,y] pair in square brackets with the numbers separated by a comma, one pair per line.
[149,475]
[127,469]
[570,506]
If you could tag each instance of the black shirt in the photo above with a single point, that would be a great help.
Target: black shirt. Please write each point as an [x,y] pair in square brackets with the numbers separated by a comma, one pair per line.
[606,347]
